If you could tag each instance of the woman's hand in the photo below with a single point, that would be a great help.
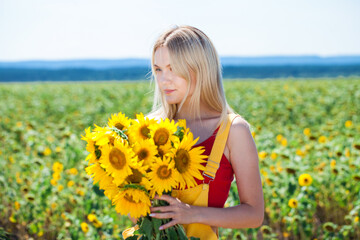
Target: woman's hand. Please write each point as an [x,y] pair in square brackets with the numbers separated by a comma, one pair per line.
[177,211]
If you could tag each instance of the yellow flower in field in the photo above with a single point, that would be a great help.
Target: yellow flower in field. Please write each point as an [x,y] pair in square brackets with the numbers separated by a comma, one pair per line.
[53,205]
[53,182]
[40,233]
[305,179]
[129,232]
[253,134]
[347,152]
[57,167]
[132,200]
[348,123]
[163,176]
[117,160]
[60,188]
[307,132]
[269,181]
[50,139]
[73,171]
[163,133]
[284,142]
[70,183]
[263,172]
[91,217]
[145,151]
[188,161]
[11,159]
[19,124]
[279,137]
[17,205]
[119,121]
[333,163]
[12,218]
[300,153]
[58,149]
[286,234]
[97,223]
[84,227]
[272,168]
[140,130]
[322,139]
[80,192]
[293,203]
[356,219]
[98,174]
[0,152]
[273,155]
[47,151]
[262,155]
[56,176]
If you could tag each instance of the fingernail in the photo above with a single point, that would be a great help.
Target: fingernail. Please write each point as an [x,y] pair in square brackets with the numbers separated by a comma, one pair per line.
[151,214]
[161,228]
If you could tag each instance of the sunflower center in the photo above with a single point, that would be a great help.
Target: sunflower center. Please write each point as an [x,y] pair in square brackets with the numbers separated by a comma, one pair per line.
[182,160]
[306,180]
[161,136]
[129,198]
[117,158]
[135,177]
[145,131]
[111,140]
[143,153]
[163,172]
[119,126]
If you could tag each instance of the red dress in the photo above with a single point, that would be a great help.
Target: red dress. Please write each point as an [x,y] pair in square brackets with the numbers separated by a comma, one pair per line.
[219,187]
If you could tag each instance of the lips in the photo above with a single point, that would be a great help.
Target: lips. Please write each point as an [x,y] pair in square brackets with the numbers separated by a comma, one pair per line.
[168,91]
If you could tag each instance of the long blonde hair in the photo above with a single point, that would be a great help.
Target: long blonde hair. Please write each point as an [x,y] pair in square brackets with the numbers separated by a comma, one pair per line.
[191,51]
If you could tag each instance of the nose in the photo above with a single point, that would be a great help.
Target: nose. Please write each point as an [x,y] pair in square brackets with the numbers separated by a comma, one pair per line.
[165,77]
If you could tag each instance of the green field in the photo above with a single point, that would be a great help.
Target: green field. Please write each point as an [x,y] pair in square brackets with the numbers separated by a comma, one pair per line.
[300,126]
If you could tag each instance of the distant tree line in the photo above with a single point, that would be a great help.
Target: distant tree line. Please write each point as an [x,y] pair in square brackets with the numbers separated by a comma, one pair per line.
[143,73]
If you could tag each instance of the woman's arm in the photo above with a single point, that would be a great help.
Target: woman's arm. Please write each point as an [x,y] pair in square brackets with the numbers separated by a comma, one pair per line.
[250,213]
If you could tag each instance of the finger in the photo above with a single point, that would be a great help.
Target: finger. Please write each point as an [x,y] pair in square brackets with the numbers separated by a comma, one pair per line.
[162,215]
[167,198]
[162,209]
[169,224]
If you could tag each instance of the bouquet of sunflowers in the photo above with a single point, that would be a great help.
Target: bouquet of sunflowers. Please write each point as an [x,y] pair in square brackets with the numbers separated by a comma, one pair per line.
[134,159]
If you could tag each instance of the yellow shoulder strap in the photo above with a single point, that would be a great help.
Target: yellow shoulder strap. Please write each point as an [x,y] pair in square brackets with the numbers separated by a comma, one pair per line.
[217,150]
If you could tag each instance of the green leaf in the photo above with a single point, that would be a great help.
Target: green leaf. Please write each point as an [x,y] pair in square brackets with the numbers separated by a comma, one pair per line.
[156,223]
[146,227]
[135,237]
[171,233]
[181,233]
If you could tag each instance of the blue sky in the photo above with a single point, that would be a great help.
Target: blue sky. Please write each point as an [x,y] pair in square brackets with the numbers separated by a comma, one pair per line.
[111,29]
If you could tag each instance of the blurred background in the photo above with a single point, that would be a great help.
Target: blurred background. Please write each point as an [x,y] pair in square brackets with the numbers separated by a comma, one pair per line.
[291,69]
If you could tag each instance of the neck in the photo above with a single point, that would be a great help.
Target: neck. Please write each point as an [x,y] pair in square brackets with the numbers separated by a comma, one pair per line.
[205,113]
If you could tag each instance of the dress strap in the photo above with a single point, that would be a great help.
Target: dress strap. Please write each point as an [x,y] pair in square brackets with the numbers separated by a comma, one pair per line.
[217,150]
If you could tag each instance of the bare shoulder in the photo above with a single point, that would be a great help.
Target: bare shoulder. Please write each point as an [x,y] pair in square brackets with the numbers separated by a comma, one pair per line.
[240,140]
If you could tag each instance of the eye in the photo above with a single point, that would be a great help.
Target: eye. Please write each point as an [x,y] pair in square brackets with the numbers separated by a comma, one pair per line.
[157,69]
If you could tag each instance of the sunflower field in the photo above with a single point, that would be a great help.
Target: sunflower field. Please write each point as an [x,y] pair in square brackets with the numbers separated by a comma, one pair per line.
[307,133]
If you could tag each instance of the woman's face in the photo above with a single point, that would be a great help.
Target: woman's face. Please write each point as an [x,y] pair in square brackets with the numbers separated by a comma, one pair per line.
[172,86]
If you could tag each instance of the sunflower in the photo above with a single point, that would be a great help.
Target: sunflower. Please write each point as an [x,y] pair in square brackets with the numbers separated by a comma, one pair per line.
[139,130]
[188,160]
[293,203]
[305,179]
[146,151]
[132,200]
[138,176]
[111,190]
[119,121]
[163,176]
[163,133]
[117,160]
[98,174]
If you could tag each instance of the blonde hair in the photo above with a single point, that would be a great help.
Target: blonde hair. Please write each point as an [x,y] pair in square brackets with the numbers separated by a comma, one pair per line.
[191,52]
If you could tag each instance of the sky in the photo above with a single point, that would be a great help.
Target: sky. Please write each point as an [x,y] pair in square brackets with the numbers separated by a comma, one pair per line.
[113,29]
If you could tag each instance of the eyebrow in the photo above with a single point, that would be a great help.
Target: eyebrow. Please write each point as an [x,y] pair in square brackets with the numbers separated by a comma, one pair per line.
[158,66]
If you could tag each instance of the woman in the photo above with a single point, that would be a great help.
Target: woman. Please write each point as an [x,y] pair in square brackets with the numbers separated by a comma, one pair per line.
[188,78]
